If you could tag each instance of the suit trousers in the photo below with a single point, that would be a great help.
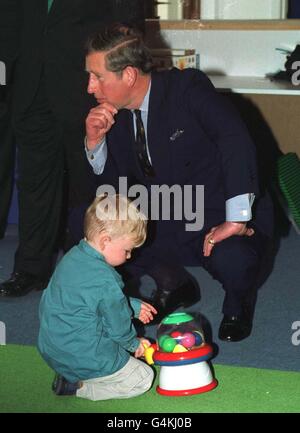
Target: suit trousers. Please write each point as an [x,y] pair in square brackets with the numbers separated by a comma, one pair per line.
[7,152]
[235,262]
[53,178]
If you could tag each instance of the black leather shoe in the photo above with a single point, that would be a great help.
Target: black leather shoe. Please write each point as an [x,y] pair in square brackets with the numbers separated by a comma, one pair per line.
[21,283]
[61,386]
[168,301]
[234,328]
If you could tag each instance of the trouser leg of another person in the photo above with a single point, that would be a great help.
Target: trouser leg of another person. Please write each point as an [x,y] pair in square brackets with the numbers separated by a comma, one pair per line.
[7,153]
[235,262]
[134,379]
[81,182]
[40,185]
[40,192]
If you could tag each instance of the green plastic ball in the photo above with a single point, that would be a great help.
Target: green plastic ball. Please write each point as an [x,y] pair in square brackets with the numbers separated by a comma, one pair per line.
[168,344]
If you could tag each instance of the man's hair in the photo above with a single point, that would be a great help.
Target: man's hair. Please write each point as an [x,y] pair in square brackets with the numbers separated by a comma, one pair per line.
[116,216]
[124,46]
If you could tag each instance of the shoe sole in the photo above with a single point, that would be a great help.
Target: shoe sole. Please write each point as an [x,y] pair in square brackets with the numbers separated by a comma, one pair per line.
[24,292]
[234,340]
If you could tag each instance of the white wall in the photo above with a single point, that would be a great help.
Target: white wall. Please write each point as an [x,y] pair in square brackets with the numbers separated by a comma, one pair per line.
[243,9]
[235,52]
[170,9]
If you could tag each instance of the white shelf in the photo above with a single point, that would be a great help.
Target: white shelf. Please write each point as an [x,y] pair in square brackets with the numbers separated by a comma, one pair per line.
[255,85]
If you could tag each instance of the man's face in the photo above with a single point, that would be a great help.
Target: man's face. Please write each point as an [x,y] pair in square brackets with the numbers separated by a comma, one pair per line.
[105,85]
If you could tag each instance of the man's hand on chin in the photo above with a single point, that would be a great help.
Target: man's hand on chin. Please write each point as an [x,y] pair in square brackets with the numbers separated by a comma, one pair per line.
[98,122]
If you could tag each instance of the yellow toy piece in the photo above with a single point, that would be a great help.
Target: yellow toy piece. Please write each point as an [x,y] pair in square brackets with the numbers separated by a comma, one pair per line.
[179,348]
[149,355]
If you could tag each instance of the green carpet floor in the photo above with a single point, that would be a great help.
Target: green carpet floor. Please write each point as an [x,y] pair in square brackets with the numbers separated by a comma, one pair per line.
[25,386]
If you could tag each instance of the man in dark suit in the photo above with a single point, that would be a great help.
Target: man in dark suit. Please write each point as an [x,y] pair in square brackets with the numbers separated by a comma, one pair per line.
[186,135]
[8,44]
[49,107]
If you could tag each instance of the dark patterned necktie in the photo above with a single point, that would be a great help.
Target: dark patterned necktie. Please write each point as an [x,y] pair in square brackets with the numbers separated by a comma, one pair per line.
[141,146]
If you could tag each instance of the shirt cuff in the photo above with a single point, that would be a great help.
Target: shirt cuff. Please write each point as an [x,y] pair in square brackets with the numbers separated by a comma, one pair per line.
[133,346]
[93,152]
[136,306]
[238,208]
[97,156]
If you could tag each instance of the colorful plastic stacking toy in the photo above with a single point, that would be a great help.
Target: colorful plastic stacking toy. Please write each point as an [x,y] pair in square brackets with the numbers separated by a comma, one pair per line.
[181,353]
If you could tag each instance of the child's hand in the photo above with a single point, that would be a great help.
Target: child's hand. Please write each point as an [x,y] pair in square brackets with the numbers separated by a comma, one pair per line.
[146,313]
[141,349]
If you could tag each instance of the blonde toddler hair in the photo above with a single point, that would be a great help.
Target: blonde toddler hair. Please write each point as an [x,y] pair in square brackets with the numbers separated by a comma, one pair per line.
[117,216]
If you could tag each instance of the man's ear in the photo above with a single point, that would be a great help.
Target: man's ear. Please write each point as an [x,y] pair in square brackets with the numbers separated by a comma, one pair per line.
[130,75]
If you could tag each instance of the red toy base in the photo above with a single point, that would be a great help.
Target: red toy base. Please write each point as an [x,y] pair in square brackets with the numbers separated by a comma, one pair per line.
[183,392]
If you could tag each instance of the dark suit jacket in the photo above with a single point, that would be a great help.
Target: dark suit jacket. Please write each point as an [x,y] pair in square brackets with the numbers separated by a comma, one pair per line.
[213,148]
[9,35]
[54,42]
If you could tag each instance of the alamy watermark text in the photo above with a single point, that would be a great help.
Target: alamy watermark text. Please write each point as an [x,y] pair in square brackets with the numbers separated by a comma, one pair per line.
[2,74]
[2,334]
[296,334]
[163,202]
